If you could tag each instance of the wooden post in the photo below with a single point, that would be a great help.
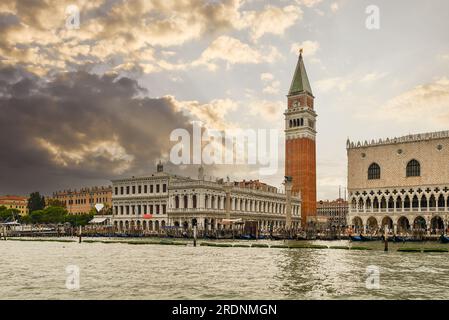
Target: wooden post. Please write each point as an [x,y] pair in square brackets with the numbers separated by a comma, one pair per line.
[257,229]
[80,236]
[386,238]
[194,235]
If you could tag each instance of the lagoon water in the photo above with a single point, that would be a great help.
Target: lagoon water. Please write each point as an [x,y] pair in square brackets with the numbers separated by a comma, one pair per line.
[37,270]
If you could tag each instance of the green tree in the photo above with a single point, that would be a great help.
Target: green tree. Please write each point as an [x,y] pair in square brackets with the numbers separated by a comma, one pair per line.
[37,216]
[9,215]
[48,215]
[54,215]
[55,203]
[26,219]
[36,202]
[79,219]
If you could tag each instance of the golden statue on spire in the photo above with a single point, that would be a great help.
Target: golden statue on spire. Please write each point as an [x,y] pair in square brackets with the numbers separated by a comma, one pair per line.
[301,51]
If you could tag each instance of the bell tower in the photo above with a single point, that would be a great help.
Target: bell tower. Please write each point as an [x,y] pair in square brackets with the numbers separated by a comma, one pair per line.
[300,147]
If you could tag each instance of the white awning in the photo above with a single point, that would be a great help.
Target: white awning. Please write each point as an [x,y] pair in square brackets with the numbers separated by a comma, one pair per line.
[98,220]
[231,221]
[13,223]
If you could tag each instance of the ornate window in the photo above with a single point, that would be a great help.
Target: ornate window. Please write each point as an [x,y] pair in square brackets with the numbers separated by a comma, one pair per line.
[374,171]
[194,201]
[176,202]
[413,168]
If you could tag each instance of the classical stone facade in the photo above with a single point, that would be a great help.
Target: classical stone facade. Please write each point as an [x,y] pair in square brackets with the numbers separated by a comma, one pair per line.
[401,183]
[135,198]
[211,202]
[164,200]
[300,152]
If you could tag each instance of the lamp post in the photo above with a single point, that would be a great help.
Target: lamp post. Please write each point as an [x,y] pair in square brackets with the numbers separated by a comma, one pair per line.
[288,205]
[194,223]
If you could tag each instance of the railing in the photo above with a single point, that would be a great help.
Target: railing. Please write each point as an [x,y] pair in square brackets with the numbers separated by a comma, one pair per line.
[195,183]
[369,211]
[235,189]
[177,210]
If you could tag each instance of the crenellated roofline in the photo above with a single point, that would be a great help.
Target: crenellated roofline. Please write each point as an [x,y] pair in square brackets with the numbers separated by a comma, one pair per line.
[397,140]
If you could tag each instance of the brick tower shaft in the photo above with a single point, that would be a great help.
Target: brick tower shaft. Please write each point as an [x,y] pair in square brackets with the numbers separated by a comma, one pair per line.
[300,145]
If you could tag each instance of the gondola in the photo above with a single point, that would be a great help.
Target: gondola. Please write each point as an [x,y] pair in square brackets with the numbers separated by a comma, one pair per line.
[363,238]
[356,238]
[403,239]
[444,239]
[246,237]
[282,237]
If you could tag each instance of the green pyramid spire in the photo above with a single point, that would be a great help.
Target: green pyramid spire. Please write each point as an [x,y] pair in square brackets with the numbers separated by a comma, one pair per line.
[300,82]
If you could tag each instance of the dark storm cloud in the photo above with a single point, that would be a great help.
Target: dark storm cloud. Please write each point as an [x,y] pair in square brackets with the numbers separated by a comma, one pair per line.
[78,129]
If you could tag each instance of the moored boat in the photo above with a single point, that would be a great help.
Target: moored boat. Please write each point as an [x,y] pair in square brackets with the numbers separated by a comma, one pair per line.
[444,239]
[363,238]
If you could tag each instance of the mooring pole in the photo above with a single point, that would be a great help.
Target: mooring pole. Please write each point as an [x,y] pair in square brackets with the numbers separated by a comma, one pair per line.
[386,239]
[80,236]
[194,235]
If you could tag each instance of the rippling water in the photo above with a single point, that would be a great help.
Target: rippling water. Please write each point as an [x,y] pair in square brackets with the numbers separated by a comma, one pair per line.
[37,270]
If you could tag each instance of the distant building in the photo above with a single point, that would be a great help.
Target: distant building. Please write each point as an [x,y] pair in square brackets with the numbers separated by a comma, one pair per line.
[83,200]
[256,185]
[161,199]
[401,183]
[15,202]
[333,213]
[135,198]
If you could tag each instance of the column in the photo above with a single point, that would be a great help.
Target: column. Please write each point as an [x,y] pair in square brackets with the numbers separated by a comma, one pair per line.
[189,201]
[200,200]
[288,204]
[228,201]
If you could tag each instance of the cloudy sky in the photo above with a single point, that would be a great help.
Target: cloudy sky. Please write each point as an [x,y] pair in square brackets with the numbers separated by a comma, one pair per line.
[82,106]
